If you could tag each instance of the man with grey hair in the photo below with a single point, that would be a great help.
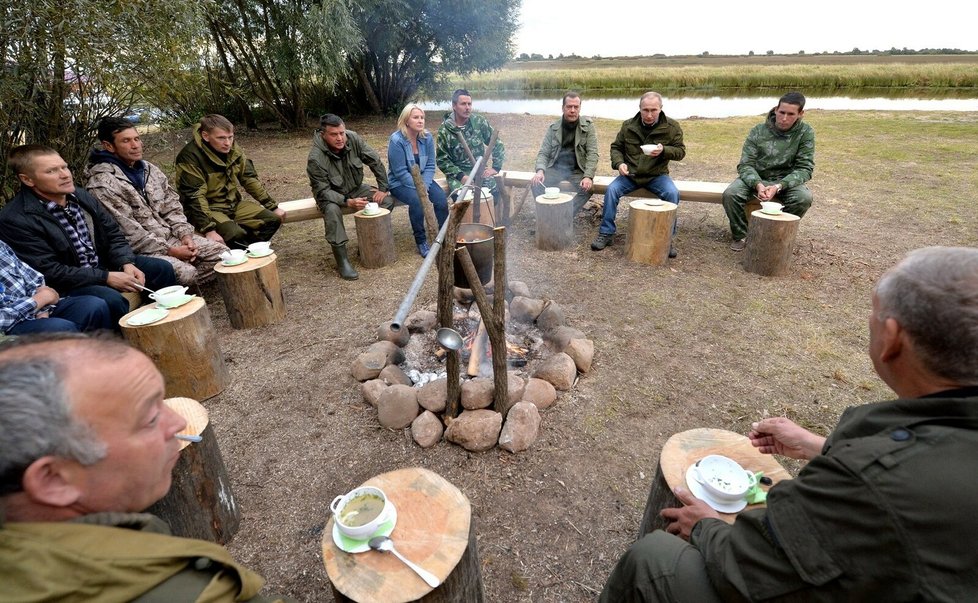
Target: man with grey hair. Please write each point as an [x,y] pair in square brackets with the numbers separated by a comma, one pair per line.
[641,154]
[84,452]
[884,508]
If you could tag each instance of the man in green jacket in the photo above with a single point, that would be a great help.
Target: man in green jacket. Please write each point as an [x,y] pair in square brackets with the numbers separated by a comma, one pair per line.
[569,152]
[463,138]
[84,452]
[641,154]
[211,171]
[335,170]
[777,160]
[885,508]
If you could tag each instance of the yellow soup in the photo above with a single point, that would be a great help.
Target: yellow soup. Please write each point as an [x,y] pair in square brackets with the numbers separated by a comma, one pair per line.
[361,510]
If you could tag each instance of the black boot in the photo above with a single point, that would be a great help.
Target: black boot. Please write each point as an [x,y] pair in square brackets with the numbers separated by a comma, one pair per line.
[343,265]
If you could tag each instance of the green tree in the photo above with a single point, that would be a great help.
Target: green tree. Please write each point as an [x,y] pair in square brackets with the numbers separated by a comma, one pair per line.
[64,67]
[408,45]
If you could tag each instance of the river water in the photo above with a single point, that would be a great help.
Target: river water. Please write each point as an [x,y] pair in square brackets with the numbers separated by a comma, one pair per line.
[683,107]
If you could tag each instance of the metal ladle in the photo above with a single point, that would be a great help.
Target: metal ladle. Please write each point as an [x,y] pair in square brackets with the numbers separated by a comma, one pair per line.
[449,338]
[384,543]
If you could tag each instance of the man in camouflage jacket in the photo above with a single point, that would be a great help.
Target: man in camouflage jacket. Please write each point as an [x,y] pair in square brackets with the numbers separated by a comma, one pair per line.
[777,160]
[147,209]
[454,158]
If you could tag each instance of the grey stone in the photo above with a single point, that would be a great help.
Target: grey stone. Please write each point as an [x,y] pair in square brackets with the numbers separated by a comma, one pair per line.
[368,365]
[398,406]
[393,375]
[514,391]
[541,393]
[561,336]
[395,355]
[559,370]
[433,395]
[525,309]
[521,428]
[551,317]
[421,321]
[582,351]
[371,391]
[427,429]
[477,393]
[475,430]
[400,337]
[518,289]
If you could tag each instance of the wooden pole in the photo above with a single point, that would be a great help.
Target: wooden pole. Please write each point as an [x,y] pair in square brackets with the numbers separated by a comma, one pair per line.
[430,221]
[446,285]
[526,193]
[497,332]
[500,351]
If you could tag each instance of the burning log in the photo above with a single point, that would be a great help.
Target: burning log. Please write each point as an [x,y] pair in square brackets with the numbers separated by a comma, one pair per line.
[479,347]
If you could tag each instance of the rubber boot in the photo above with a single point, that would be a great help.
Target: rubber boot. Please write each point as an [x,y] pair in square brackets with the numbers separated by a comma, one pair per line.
[343,265]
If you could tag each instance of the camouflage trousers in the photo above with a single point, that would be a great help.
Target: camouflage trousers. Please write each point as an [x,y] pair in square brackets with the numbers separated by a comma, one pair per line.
[244,223]
[201,269]
[796,201]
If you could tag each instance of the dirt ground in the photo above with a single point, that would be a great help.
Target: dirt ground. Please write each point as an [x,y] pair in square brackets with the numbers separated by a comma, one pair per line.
[698,343]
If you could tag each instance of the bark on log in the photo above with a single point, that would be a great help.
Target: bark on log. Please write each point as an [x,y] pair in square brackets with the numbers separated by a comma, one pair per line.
[434,530]
[446,286]
[497,330]
[770,243]
[555,222]
[375,239]
[430,220]
[650,231]
[184,347]
[200,503]
[252,292]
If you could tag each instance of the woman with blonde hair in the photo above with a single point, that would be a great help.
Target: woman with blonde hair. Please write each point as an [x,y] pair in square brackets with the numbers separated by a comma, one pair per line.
[412,145]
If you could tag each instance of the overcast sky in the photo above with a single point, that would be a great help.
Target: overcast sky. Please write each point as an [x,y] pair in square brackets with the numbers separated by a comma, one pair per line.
[629,27]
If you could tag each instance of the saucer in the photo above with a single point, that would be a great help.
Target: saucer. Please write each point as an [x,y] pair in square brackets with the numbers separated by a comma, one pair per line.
[352,545]
[251,254]
[655,202]
[183,299]
[235,262]
[546,196]
[147,316]
[772,212]
[700,492]
[369,213]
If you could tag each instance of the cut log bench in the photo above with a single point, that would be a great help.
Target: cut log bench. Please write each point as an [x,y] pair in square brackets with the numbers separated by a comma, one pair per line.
[555,222]
[184,347]
[770,243]
[252,292]
[686,448]
[200,503]
[650,231]
[434,530]
[375,238]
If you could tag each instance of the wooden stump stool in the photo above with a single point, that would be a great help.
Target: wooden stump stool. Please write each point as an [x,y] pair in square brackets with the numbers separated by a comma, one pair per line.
[555,222]
[200,503]
[375,238]
[684,449]
[650,223]
[252,292]
[770,242]
[184,348]
[434,530]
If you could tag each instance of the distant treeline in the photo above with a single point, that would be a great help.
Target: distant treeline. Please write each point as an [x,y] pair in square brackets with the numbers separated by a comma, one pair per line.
[854,52]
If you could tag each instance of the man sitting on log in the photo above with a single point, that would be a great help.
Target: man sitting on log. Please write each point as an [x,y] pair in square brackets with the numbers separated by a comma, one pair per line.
[64,233]
[211,171]
[463,138]
[335,170]
[884,509]
[84,452]
[641,154]
[147,209]
[569,152]
[777,160]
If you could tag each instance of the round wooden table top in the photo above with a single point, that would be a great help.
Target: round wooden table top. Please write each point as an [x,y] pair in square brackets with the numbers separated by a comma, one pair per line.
[193,412]
[250,264]
[432,530]
[783,216]
[651,205]
[173,314]
[561,198]
[686,448]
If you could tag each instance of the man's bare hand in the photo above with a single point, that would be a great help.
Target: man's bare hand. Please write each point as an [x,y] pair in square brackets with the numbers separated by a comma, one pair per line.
[537,177]
[489,172]
[780,435]
[279,212]
[766,193]
[587,184]
[188,240]
[379,196]
[357,203]
[212,235]
[45,296]
[682,519]
[122,281]
[623,169]
[182,253]
[134,272]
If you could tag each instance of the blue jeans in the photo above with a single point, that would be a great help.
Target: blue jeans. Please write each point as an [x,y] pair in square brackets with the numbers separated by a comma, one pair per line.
[408,195]
[662,186]
[159,273]
[74,314]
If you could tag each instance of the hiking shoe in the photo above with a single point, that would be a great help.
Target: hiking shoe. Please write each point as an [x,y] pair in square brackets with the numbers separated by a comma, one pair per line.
[601,241]
[672,252]
[738,245]
[424,249]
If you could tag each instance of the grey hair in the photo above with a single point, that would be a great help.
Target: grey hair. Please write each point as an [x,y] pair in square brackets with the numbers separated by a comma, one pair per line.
[933,295]
[650,94]
[36,421]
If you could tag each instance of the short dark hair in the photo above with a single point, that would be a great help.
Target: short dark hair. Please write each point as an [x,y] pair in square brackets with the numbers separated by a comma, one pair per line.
[458,93]
[110,126]
[209,123]
[21,158]
[570,94]
[330,119]
[793,98]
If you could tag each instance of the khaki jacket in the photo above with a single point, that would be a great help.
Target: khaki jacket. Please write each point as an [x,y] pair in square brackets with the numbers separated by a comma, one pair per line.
[627,147]
[585,146]
[333,177]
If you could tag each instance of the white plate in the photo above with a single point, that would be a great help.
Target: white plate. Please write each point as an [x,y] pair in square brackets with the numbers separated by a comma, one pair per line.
[183,300]
[700,492]
[235,263]
[147,317]
[772,212]
[259,255]
[369,213]
[655,202]
[352,545]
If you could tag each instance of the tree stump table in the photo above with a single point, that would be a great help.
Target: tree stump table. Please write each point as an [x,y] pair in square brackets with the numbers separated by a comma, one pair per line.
[184,347]
[252,292]
[770,243]
[200,503]
[650,223]
[684,449]
[555,222]
[434,529]
[375,238]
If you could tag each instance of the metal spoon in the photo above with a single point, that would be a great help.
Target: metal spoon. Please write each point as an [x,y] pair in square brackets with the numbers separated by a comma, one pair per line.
[449,338]
[384,543]
[147,289]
